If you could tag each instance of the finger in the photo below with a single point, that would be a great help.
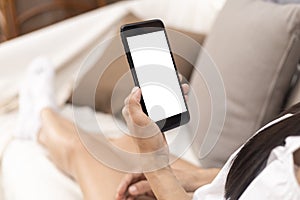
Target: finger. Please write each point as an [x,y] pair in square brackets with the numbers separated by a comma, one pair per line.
[186,97]
[122,188]
[126,100]
[137,93]
[136,116]
[134,89]
[125,112]
[126,182]
[180,77]
[185,88]
[134,105]
[139,188]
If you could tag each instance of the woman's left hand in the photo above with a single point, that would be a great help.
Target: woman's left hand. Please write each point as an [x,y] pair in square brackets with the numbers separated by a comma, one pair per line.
[144,131]
[154,151]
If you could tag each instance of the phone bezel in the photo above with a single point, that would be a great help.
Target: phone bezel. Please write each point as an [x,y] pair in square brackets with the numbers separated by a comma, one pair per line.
[155,25]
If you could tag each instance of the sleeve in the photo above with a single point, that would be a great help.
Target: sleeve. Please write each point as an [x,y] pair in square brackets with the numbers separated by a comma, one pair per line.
[216,189]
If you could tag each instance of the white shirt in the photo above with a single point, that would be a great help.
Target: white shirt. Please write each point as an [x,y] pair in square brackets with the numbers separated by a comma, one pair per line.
[276,181]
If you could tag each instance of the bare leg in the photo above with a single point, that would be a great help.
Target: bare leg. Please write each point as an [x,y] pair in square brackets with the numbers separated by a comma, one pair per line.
[59,136]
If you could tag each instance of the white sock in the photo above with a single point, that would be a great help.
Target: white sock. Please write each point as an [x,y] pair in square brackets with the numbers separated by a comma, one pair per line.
[41,84]
[24,126]
[36,94]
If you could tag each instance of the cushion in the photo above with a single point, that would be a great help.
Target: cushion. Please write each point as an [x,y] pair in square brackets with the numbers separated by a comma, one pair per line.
[255,45]
[284,1]
[294,95]
[116,78]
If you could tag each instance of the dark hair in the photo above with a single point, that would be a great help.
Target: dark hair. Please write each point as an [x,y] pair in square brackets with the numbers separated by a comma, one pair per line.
[252,158]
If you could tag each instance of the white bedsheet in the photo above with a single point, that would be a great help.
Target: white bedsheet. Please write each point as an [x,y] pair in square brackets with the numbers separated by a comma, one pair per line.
[27,174]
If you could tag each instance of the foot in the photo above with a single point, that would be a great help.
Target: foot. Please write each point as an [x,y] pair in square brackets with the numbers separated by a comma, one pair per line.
[36,94]
[24,126]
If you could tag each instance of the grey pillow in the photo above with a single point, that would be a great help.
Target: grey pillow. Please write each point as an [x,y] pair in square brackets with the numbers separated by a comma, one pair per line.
[284,1]
[256,46]
[294,95]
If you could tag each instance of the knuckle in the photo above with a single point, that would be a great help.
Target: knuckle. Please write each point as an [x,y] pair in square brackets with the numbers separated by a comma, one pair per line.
[131,101]
[138,187]
[141,186]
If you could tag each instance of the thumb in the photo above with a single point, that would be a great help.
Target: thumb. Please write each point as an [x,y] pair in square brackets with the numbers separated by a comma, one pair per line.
[135,110]
[136,94]
[136,91]
[134,101]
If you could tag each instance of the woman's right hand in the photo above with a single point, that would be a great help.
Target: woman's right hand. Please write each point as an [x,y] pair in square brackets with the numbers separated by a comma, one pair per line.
[134,185]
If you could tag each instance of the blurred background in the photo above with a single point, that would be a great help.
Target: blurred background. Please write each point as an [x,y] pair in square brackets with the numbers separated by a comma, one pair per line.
[18,17]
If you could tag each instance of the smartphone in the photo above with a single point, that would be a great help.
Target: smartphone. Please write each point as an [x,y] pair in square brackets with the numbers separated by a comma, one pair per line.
[154,71]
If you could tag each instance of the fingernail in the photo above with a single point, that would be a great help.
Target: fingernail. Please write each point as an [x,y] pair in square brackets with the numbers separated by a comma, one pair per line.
[134,89]
[132,189]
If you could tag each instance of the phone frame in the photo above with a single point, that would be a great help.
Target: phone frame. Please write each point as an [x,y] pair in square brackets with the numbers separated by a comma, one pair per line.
[134,29]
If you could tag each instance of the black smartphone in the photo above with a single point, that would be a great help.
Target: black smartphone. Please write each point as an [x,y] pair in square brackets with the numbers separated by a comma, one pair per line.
[153,69]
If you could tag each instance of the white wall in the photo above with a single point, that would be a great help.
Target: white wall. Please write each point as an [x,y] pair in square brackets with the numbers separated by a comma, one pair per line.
[192,15]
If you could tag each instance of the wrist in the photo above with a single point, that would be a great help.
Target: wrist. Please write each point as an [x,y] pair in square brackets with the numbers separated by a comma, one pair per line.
[205,176]
[156,160]
[191,180]
[165,184]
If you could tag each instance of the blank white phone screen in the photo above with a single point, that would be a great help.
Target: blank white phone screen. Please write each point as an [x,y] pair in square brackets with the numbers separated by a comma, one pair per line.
[156,75]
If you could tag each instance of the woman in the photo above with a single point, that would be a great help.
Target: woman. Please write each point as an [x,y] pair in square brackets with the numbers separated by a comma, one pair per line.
[241,177]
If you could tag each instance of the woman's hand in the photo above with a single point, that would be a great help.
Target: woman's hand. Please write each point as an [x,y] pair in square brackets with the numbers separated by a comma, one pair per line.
[154,150]
[146,133]
[151,143]
[185,87]
[134,185]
